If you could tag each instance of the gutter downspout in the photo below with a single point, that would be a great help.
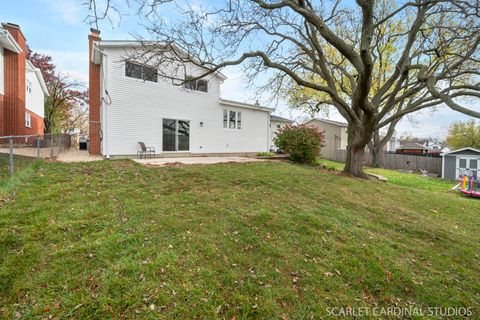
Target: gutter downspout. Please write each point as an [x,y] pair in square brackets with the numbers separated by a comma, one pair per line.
[104,75]
[269,129]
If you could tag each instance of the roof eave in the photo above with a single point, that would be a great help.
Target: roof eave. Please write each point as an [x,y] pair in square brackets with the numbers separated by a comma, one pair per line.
[244,105]
[461,149]
[9,42]
[134,43]
[43,85]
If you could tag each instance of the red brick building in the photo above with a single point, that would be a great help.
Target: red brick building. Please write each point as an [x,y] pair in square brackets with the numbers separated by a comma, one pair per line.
[22,87]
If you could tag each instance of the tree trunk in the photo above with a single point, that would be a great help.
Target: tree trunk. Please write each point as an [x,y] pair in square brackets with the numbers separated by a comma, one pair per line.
[354,162]
[376,150]
[358,138]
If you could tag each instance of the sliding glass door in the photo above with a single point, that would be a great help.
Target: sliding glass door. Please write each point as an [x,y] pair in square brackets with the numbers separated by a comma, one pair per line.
[176,135]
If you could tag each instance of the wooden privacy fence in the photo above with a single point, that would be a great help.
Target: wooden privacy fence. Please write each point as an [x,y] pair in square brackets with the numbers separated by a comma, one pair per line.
[400,161]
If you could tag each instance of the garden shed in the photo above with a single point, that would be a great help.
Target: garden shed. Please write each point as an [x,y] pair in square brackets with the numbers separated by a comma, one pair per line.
[457,163]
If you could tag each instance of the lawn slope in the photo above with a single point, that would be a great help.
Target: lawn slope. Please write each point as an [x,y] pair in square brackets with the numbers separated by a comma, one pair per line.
[114,239]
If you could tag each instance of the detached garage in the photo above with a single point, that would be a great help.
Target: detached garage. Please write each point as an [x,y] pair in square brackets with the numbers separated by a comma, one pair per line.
[457,163]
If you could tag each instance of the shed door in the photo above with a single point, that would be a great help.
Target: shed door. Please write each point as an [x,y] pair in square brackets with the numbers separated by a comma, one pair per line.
[467,166]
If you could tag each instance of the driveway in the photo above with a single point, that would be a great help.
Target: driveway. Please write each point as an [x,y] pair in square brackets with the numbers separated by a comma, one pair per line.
[196,160]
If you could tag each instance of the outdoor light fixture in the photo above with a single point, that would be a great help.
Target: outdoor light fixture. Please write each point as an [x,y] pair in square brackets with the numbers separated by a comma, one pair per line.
[201,123]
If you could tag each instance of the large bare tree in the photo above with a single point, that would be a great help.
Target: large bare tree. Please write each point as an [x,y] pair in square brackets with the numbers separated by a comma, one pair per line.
[330,47]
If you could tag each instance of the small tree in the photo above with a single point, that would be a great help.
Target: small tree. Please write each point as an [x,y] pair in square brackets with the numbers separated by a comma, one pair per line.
[301,142]
[464,134]
[66,105]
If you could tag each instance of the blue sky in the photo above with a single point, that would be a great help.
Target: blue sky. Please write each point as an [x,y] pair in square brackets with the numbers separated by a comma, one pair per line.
[57,28]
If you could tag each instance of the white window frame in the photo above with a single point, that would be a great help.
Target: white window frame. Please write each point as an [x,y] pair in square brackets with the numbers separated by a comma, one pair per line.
[143,72]
[28,120]
[195,82]
[176,136]
[29,86]
[236,126]
[467,167]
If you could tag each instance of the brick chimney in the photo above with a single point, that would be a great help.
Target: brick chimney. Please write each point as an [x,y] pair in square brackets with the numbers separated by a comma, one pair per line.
[13,113]
[94,97]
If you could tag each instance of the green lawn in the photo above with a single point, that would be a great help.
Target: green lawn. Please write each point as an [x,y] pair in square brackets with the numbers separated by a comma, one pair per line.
[114,239]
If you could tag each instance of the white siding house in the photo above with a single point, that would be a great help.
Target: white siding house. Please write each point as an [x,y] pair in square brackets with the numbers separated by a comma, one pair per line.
[36,90]
[172,118]
[276,123]
[335,136]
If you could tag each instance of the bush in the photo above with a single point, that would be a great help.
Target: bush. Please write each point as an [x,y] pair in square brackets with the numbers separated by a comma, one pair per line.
[266,154]
[301,142]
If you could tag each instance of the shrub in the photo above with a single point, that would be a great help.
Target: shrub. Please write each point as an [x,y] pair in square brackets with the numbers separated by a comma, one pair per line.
[266,154]
[301,142]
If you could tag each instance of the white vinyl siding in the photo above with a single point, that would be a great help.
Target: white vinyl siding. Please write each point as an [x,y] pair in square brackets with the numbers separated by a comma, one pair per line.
[34,96]
[138,108]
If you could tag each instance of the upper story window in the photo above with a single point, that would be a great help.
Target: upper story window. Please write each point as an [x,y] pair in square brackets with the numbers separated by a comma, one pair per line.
[28,120]
[232,119]
[138,71]
[198,85]
[29,86]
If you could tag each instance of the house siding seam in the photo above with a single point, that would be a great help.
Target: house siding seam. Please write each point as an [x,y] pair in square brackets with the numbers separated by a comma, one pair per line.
[137,109]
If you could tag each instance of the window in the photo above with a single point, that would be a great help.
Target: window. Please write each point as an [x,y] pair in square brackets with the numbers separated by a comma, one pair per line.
[176,135]
[232,119]
[278,125]
[28,120]
[468,167]
[197,85]
[138,71]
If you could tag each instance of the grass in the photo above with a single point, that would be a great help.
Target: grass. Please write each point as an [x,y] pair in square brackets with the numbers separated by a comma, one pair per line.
[24,168]
[398,178]
[19,162]
[114,239]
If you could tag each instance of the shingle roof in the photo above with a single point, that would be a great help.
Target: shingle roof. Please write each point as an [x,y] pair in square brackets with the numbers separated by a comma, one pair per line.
[413,146]
[279,119]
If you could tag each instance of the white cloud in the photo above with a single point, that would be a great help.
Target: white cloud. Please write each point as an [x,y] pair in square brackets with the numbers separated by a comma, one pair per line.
[72,63]
[235,88]
[68,11]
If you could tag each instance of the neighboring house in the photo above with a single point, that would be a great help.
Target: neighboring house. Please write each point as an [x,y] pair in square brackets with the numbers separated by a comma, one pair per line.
[131,102]
[457,163]
[335,136]
[276,123]
[391,145]
[431,145]
[434,149]
[413,149]
[22,88]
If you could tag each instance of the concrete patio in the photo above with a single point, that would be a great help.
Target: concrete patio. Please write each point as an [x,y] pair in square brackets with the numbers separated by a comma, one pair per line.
[196,160]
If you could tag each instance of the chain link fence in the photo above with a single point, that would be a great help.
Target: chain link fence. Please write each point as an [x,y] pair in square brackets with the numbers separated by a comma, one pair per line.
[19,152]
